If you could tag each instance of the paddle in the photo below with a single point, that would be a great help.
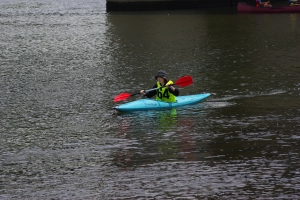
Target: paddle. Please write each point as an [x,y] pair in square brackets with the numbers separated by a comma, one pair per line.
[181,82]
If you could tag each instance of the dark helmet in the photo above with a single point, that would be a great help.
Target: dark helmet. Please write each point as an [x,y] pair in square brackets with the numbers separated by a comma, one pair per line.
[161,73]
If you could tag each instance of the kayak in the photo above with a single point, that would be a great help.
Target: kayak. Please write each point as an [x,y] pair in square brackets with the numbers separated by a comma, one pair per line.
[151,104]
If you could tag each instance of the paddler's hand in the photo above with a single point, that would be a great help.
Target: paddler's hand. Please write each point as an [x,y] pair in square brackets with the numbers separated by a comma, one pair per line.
[143,92]
[170,87]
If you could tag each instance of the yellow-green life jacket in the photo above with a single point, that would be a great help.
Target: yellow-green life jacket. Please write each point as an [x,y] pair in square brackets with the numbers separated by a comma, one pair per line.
[163,94]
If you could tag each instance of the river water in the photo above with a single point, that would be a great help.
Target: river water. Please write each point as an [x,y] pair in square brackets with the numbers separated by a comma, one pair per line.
[62,62]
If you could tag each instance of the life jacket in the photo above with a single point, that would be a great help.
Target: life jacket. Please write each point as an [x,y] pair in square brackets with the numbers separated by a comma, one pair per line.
[257,3]
[163,93]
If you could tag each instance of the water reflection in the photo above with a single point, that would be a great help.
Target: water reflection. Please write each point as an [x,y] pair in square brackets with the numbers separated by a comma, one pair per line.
[169,136]
[294,18]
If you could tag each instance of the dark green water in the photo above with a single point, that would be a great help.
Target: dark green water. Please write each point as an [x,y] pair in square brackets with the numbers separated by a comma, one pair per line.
[63,62]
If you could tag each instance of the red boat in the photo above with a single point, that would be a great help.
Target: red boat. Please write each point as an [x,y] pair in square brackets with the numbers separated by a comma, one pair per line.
[246,8]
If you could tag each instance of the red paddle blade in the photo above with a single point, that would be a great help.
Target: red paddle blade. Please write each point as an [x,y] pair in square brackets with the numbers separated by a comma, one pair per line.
[121,97]
[184,81]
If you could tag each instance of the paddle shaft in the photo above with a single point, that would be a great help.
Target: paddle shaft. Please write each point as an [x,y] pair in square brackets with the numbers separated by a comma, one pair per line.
[146,91]
[181,82]
[158,88]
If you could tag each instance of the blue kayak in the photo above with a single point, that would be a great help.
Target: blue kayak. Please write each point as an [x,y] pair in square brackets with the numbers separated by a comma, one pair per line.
[151,104]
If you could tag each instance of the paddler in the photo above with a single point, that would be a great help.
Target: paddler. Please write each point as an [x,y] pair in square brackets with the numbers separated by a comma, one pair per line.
[166,91]
[259,3]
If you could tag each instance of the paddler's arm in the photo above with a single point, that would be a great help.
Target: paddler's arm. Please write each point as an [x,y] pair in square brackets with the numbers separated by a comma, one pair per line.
[150,93]
[173,90]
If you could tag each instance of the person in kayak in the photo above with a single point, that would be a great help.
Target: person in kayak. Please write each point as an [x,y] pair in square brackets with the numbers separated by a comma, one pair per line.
[295,2]
[264,4]
[166,91]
